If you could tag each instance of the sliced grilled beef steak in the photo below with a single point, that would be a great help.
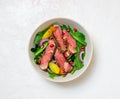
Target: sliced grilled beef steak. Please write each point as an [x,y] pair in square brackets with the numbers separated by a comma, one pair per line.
[71,42]
[47,56]
[58,36]
[62,62]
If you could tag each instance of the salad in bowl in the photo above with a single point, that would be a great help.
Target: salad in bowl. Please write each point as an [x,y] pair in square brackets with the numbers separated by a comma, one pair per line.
[59,49]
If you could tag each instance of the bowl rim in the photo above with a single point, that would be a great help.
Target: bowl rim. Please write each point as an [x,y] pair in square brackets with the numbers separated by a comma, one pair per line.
[88,63]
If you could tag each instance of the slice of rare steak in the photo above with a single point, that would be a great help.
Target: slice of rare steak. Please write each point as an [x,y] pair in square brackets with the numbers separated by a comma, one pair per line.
[47,56]
[62,62]
[58,36]
[70,40]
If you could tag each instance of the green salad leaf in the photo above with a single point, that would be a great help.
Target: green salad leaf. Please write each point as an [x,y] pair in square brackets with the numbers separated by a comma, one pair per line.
[36,58]
[37,51]
[78,36]
[51,74]
[38,37]
[77,63]
[64,27]
[35,48]
[73,70]
[40,50]
[71,58]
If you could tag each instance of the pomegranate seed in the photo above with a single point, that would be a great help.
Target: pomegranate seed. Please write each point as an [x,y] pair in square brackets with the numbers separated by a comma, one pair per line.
[39,61]
[65,43]
[83,48]
[63,33]
[51,45]
[71,63]
[75,29]
[65,55]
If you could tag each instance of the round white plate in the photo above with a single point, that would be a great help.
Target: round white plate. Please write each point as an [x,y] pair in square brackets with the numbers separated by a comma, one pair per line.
[89,50]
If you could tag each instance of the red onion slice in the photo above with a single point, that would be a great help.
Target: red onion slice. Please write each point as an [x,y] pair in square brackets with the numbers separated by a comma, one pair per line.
[80,56]
[42,41]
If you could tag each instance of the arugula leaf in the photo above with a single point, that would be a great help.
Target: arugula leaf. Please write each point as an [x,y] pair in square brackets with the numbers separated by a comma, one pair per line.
[51,74]
[72,58]
[64,27]
[38,37]
[78,36]
[73,70]
[33,49]
[77,63]
[40,50]
[36,58]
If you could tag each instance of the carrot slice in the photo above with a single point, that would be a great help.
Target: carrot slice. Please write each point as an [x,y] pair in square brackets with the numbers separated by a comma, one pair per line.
[52,28]
[62,72]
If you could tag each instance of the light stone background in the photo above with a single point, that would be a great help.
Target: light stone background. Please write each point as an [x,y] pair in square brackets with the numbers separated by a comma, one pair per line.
[19,19]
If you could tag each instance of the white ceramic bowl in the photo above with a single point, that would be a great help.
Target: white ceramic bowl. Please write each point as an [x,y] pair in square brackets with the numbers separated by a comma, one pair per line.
[89,50]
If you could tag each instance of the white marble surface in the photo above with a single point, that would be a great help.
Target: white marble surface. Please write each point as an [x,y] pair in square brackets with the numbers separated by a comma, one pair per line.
[18,20]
